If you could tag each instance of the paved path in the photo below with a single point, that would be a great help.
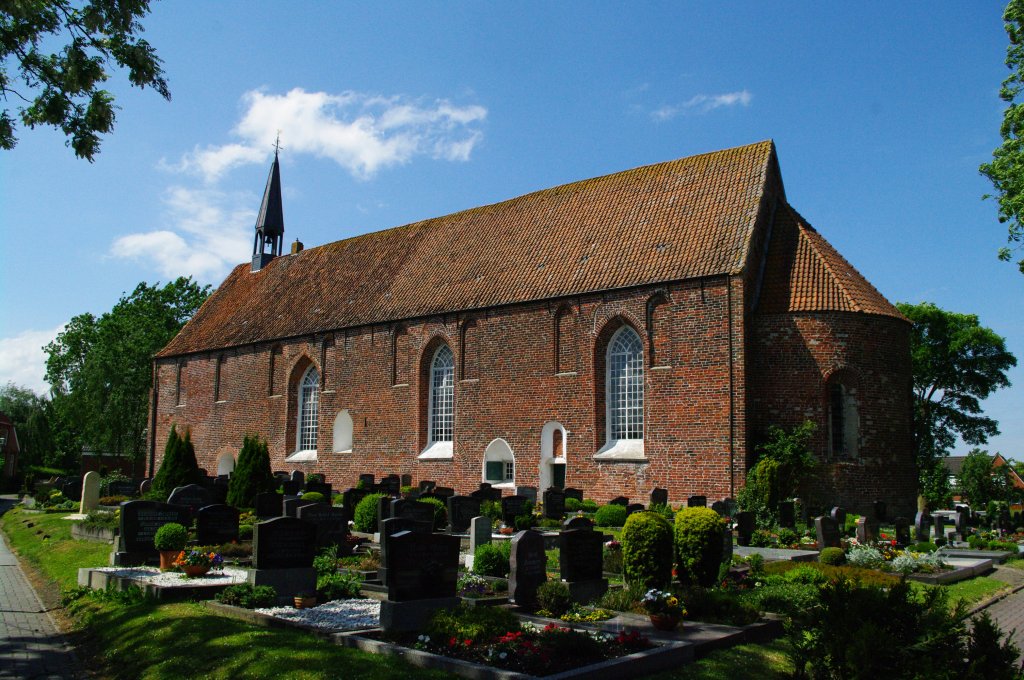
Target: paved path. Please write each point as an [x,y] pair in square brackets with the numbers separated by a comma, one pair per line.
[30,646]
[1009,611]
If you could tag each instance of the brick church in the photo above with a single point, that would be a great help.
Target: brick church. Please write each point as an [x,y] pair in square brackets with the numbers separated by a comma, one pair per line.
[638,330]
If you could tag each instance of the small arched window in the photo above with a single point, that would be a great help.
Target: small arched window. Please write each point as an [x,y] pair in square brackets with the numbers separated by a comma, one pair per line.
[499,463]
[441,404]
[843,420]
[309,409]
[343,432]
[625,386]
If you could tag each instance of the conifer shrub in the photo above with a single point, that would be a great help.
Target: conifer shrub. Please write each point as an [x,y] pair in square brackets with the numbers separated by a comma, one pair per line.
[365,518]
[647,550]
[611,516]
[252,474]
[833,556]
[178,467]
[699,534]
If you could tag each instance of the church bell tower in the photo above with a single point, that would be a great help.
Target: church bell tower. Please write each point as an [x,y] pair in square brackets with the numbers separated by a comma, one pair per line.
[270,222]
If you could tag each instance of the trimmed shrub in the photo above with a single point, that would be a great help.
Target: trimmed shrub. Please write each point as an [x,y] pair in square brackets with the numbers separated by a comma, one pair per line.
[248,596]
[554,597]
[493,559]
[178,467]
[171,536]
[365,518]
[588,505]
[647,550]
[611,516]
[832,556]
[313,497]
[251,475]
[245,532]
[699,535]
[472,623]
[440,512]
[573,505]
[923,547]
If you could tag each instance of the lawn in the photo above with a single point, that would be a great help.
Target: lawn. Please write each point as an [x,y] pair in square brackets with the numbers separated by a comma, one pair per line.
[44,539]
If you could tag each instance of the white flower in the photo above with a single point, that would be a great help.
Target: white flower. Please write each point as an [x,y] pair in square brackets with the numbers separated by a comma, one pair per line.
[503,656]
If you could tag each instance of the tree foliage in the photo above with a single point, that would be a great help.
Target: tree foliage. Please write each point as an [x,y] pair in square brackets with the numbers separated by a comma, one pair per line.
[31,416]
[100,371]
[957,363]
[252,474]
[981,483]
[1006,171]
[785,464]
[62,89]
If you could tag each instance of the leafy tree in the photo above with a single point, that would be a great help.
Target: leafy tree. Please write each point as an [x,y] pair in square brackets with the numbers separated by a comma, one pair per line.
[980,482]
[785,464]
[934,484]
[1006,171]
[62,88]
[252,474]
[957,362]
[178,466]
[100,369]
[31,416]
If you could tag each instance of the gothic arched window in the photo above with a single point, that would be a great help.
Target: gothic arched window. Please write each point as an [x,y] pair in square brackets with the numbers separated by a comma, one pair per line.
[441,404]
[624,386]
[309,410]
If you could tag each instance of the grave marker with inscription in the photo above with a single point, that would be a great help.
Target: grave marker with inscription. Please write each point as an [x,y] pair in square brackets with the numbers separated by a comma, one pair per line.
[554,503]
[140,521]
[216,524]
[529,568]
[283,543]
[461,511]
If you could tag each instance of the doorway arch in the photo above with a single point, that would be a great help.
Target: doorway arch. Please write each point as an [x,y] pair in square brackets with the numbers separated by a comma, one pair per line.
[554,442]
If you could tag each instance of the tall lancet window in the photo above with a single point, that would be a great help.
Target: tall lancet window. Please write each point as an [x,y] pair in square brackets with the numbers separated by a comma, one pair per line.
[625,396]
[442,396]
[309,409]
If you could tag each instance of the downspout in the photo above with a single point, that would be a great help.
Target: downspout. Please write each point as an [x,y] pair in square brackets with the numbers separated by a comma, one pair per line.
[153,401]
[732,398]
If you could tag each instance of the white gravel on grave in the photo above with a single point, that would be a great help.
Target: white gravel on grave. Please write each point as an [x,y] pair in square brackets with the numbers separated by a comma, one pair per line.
[334,615]
[172,579]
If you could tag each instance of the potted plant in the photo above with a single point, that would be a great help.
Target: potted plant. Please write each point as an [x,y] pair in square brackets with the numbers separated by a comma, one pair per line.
[664,609]
[170,540]
[305,599]
[197,562]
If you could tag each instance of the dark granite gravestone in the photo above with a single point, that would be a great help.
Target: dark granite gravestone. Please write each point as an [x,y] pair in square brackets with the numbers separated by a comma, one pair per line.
[121,488]
[331,524]
[283,543]
[838,515]
[659,496]
[72,489]
[367,480]
[140,521]
[291,488]
[529,568]
[145,486]
[192,496]
[444,491]
[554,503]
[879,510]
[580,562]
[939,525]
[320,487]
[487,492]
[529,492]
[902,527]
[719,507]
[406,480]
[827,532]
[962,521]
[218,492]
[572,492]
[427,486]
[391,485]
[383,510]
[697,502]
[744,527]
[619,500]
[389,528]
[578,522]
[922,526]
[269,504]
[512,507]
[731,506]
[350,499]
[422,514]
[290,506]
[787,514]
[422,566]
[634,507]
[461,511]
[216,524]
[300,477]
[867,530]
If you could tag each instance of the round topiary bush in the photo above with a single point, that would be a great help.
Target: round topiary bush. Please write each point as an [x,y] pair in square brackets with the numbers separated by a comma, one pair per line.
[647,550]
[440,512]
[588,505]
[492,559]
[313,497]
[833,556]
[171,536]
[611,516]
[365,516]
[700,533]
[573,505]
[554,597]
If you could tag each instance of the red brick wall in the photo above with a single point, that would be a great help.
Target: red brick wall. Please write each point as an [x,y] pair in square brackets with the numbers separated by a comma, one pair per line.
[516,390]
[792,357]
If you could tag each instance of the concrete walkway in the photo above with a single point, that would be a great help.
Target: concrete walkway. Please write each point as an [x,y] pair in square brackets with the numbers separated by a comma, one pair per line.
[30,645]
[1009,611]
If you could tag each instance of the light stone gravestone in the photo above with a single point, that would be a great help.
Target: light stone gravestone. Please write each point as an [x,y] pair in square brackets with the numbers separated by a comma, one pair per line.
[479,533]
[90,493]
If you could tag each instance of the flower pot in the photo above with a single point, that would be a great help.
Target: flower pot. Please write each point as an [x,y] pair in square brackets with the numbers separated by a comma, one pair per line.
[192,570]
[167,558]
[667,622]
[305,601]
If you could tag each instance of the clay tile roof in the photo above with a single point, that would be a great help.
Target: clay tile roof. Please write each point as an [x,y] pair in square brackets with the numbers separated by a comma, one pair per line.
[676,220]
[804,273]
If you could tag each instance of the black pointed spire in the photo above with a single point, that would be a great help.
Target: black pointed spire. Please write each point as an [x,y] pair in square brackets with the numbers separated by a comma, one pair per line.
[270,222]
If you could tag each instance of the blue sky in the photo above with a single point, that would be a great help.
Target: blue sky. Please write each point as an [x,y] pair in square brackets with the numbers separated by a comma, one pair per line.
[395,113]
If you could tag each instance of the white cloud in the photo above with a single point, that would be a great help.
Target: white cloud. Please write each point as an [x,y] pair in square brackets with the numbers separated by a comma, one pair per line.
[702,103]
[210,234]
[361,133]
[23,361]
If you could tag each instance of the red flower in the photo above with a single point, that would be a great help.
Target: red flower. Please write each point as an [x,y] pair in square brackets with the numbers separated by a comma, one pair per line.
[467,642]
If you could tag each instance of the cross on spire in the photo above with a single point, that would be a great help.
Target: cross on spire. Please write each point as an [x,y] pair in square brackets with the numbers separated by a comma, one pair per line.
[277,143]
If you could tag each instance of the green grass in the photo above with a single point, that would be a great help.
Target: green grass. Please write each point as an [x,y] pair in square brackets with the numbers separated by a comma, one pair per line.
[1015,563]
[745,661]
[59,556]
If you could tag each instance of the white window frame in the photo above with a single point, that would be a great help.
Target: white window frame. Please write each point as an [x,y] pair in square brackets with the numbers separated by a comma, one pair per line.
[624,397]
[309,392]
[500,451]
[440,447]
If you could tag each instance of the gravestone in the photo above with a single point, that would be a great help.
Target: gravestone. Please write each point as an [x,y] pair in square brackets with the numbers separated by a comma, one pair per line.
[422,575]
[572,492]
[659,496]
[827,532]
[529,568]
[697,502]
[218,492]
[787,514]
[512,507]
[479,533]
[461,511]
[879,508]
[139,523]
[283,543]
[192,496]
[217,524]
[867,530]
[320,487]
[720,508]
[72,489]
[554,503]
[634,507]
[290,506]
[580,562]
[619,500]
[406,480]
[922,526]
[268,505]
[744,527]
[422,514]
[529,492]
[731,506]
[121,488]
[427,486]
[939,525]
[331,524]
[727,547]
[391,485]
[838,516]
[300,477]
[902,527]
[578,522]
[290,488]
[962,520]
[383,510]
[444,491]
[350,499]
[144,486]
[367,480]
[388,528]
[90,493]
